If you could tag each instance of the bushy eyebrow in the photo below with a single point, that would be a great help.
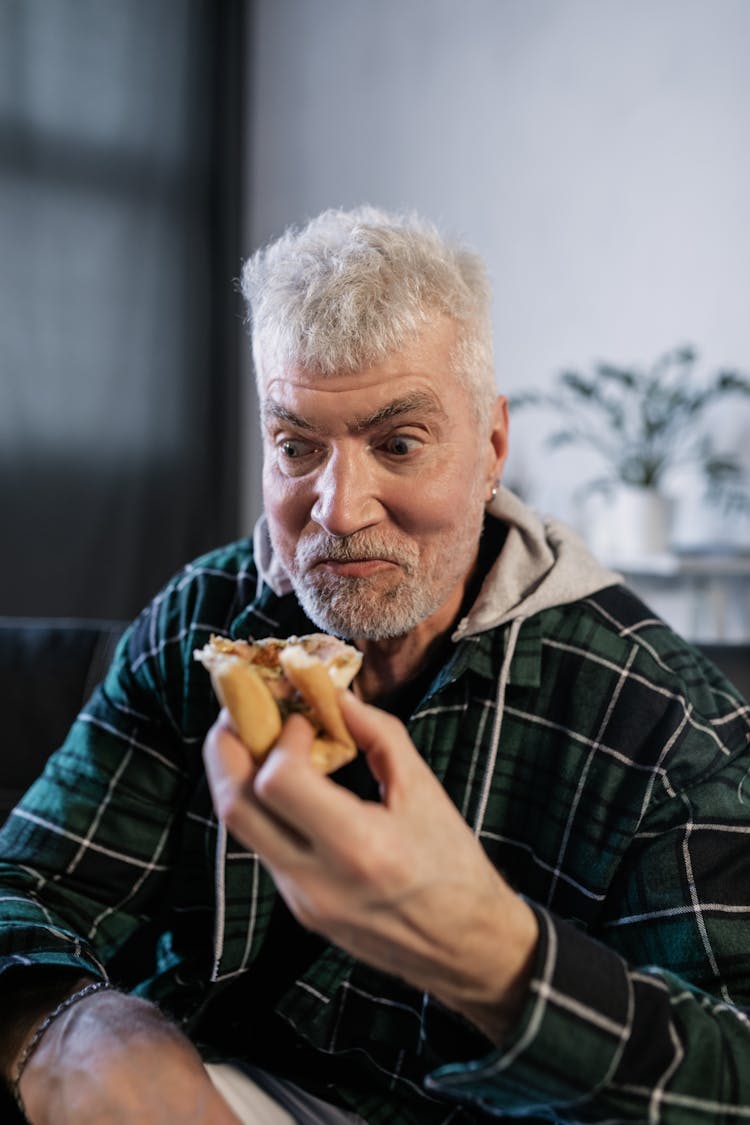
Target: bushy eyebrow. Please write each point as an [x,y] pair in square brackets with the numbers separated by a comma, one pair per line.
[275,411]
[418,401]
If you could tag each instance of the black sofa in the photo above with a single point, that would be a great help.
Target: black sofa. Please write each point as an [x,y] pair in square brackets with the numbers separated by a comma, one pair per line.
[48,669]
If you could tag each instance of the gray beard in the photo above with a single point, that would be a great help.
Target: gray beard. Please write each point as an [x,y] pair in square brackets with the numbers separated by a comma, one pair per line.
[352,607]
[349,607]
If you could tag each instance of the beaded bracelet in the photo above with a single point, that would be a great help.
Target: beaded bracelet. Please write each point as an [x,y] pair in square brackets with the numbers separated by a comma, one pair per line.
[36,1038]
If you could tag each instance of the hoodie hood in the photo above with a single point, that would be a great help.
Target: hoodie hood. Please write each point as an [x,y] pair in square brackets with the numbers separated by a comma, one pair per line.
[543,563]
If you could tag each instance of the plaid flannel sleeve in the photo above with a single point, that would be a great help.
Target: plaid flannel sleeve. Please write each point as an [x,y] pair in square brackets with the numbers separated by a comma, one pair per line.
[91,851]
[88,851]
[648,1020]
[602,1041]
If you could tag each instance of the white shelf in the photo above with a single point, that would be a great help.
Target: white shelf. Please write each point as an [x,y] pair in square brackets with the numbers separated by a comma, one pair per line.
[709,565]
[704,596]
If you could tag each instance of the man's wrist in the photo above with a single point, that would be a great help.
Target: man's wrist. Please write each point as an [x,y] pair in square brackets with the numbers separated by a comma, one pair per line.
[41,1029]
[495,1000]
[27,996]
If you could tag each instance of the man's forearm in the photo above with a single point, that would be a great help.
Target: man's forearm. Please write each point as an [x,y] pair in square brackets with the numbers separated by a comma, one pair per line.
[487,974]
[110,1056]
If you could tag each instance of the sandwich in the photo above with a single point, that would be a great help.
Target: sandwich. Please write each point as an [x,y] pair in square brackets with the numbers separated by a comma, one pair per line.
[261,682]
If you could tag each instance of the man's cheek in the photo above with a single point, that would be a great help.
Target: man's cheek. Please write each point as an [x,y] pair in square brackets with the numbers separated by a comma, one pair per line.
[286,524]
[285,502]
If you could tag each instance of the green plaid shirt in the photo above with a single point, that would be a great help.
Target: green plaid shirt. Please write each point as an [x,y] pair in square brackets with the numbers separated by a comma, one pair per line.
[617,805]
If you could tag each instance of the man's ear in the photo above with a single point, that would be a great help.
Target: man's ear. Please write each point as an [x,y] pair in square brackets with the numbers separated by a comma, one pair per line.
[497,445]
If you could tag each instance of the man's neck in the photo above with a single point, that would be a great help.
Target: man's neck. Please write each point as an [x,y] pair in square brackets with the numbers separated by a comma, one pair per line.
[389,664]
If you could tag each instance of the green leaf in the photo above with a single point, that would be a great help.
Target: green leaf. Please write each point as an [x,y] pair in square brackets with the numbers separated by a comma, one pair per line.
[641,423]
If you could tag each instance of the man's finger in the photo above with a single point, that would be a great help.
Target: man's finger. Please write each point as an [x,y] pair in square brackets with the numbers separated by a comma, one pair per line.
[231,772]
[390,752]
[229,765]
[316,807]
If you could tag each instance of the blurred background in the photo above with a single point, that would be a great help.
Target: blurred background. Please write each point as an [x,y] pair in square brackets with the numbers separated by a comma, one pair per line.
[595,151]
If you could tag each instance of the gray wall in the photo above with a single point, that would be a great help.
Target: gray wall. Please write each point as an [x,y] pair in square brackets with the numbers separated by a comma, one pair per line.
[595,150]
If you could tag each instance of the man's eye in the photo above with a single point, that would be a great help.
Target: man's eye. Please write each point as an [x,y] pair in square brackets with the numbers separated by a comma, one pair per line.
[294,448]
[400,445]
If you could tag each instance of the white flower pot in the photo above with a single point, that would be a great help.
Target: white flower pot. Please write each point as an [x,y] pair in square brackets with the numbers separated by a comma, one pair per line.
[630,525]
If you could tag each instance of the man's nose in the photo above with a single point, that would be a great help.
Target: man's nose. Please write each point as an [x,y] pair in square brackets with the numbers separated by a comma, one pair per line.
[346,500]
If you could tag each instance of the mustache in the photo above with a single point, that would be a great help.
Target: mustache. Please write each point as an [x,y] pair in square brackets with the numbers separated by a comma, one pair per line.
[358,547]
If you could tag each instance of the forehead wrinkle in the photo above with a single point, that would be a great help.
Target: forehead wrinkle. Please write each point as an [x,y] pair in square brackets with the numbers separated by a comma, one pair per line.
[423,401]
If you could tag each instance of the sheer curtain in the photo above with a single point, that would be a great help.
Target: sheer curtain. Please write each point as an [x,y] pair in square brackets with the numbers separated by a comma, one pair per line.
[120,325]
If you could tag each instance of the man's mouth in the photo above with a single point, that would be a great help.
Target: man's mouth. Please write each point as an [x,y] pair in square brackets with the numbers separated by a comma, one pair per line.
[356,556]
[355,568]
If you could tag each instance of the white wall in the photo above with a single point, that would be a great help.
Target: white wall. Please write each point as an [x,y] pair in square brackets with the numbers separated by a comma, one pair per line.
[596,151]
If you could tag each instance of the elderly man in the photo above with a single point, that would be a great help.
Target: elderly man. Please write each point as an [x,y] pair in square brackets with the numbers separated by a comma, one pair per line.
[528,896]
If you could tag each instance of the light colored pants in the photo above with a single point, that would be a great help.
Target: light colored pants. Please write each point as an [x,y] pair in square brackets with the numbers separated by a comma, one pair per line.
[259,1098]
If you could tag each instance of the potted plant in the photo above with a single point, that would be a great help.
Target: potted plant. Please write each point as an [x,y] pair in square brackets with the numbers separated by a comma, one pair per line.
[644,424]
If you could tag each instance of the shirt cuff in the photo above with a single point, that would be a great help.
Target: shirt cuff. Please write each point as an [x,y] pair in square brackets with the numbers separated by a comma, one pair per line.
[571,1036]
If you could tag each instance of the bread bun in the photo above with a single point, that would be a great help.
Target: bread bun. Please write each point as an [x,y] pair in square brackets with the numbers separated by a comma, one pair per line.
[261,682]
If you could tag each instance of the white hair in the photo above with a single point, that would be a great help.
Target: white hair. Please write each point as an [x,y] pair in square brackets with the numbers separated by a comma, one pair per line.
[351,287]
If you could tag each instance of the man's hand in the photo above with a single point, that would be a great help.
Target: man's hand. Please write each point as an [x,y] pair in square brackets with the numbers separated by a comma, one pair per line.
[114,1058]
[402,884]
